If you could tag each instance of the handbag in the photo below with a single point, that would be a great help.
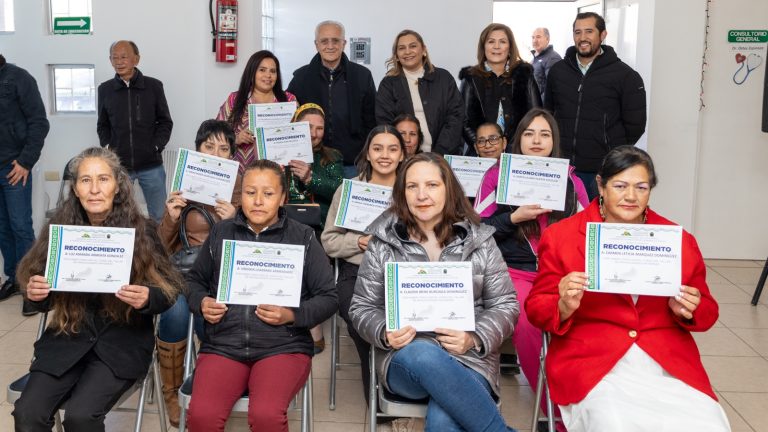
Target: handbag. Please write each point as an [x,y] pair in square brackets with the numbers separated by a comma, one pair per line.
[308,214]
[185,258]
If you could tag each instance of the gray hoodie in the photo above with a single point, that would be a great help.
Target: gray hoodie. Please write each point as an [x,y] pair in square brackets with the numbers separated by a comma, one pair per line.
[496,306]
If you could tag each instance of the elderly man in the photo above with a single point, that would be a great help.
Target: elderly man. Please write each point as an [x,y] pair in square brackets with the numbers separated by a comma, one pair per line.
[598,100]
[23,128]
[544,56]
[134,122]
[344,89]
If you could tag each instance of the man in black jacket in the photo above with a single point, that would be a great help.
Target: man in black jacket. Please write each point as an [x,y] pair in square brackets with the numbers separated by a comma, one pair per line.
[598,101]
[23,128]
[134,122]
[544,57]
[344,89]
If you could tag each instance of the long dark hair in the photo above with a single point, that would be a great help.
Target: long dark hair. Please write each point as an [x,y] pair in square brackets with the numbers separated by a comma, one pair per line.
[150,265]
[531,228]
[456,209]
[363,164]
[327,154]
[247,81]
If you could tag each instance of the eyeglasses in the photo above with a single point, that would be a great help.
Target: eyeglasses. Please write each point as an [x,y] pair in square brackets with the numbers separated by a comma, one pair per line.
[329,41]
[488,142]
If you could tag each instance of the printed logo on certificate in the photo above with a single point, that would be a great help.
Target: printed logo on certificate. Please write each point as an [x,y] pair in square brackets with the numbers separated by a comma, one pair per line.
[360,204]
[469,171]
[270,114]
[634,258]
[428,295]
[89,259]
[204,178]
[284,143]
[253,273]
[527,180]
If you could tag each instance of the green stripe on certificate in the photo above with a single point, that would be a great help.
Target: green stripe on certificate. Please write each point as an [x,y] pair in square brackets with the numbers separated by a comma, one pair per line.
[261,148]
[226,261]
[592,254]
[178,173]
[345,191]
[53,254]
[391,290]
[503,184]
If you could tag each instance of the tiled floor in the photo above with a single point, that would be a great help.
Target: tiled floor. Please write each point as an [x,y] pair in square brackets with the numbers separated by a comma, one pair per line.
[735,353]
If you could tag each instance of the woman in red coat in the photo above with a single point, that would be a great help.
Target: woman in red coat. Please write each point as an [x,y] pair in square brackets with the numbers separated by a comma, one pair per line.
[621,362]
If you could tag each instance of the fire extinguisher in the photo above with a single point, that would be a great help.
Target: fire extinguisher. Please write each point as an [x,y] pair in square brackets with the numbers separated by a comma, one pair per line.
[224,30]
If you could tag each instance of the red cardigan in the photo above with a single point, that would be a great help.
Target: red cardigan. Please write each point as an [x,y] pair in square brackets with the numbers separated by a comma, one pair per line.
[586,346]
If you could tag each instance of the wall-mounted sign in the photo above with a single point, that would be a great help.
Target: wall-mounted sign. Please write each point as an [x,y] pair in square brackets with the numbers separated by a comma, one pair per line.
[748,48]
[72,25]
[747,36]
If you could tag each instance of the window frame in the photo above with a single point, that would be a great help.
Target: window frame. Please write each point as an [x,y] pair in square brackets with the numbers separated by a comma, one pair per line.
[54,97]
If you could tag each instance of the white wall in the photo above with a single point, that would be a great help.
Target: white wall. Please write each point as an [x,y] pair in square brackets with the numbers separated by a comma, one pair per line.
[175,48]
[450,29]
[731,202]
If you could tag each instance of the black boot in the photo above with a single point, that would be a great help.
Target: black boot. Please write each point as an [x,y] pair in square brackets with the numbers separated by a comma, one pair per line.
[9,289]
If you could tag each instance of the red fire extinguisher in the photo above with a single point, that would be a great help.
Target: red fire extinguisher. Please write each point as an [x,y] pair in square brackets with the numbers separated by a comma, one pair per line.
[225,31]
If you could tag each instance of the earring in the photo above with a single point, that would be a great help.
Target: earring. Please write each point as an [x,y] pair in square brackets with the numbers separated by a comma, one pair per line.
[602,211]
[645,215]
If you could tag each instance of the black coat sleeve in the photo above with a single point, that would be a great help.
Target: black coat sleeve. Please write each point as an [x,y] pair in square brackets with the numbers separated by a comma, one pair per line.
[386,102]
[33,109]
[449,138]
[369,105]
[103,126]
[473,111]
[163,121]
[633,113]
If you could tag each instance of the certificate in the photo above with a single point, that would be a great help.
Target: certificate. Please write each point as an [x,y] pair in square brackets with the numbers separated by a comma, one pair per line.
[284,143]
[253,273]
[89,259]
[527,180]
[204,178]
[634,258]
[469,171]
[428,295]
[360,204]
[270,114]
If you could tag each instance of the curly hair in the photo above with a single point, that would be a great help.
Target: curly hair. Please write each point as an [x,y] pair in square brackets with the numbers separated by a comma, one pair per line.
[150,265]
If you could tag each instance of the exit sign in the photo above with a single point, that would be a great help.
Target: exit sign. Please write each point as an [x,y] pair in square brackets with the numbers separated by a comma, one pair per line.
[72,25]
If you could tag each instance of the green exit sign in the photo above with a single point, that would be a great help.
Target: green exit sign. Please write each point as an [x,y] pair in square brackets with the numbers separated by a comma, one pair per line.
[72,25]
[747,36]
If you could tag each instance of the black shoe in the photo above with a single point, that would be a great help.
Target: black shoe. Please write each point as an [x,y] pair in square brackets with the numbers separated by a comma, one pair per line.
[542,426]
[28,310]
[9,289]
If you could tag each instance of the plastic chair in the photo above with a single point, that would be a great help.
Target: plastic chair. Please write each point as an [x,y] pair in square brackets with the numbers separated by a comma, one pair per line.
[144,385]
[542,390]
[241,406]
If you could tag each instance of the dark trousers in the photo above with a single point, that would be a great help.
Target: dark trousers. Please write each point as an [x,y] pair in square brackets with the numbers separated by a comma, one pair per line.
[89,389]
[345,287]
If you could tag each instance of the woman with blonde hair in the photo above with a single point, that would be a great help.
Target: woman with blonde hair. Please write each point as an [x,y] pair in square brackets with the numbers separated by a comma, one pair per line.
[413,85]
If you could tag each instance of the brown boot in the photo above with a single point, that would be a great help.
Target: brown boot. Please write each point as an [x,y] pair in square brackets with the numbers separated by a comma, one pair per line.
[171,359]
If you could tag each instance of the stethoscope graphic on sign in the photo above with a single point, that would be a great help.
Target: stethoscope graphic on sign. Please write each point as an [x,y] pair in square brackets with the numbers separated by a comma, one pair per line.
[748,64]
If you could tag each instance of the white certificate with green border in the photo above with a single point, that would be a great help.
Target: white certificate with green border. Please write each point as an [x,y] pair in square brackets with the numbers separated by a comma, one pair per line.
[634,258]
[469,171]
[429,295]
[284,143]
[89,259]
[204,178]
[253,273]
[525,180]
[270,114]
[360,204]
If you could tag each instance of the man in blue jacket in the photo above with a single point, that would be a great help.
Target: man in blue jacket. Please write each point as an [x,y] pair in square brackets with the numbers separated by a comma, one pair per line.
[23,128]
[134,122]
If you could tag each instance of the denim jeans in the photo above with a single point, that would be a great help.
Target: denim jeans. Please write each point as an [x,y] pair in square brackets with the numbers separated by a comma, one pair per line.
[460,399]
[590,184]
[173,322]
[16,232]
[152,183]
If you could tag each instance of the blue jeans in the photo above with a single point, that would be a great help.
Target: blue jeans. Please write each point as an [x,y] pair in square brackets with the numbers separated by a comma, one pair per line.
[590,184]
[16,232]
[152,183]
[350,171]
[173,322]
[460,399]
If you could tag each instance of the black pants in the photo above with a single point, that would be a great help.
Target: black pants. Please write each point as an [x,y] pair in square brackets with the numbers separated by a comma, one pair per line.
[89,390]
[345,287]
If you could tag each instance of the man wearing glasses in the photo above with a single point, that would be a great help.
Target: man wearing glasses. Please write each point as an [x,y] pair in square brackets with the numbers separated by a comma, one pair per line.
[344,89]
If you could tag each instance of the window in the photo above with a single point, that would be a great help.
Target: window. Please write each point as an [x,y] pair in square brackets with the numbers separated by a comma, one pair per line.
[74,89]
[268,24]
[6,16]
[78,10]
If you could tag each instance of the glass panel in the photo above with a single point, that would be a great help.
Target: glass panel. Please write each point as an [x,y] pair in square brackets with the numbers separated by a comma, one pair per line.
[75,89]
[6,16]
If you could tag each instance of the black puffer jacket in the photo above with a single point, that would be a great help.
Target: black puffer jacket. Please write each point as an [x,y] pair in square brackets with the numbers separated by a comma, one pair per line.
[134,121]
[517,91]
[440,99]
[23,125]
[596,111]
[241,335]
